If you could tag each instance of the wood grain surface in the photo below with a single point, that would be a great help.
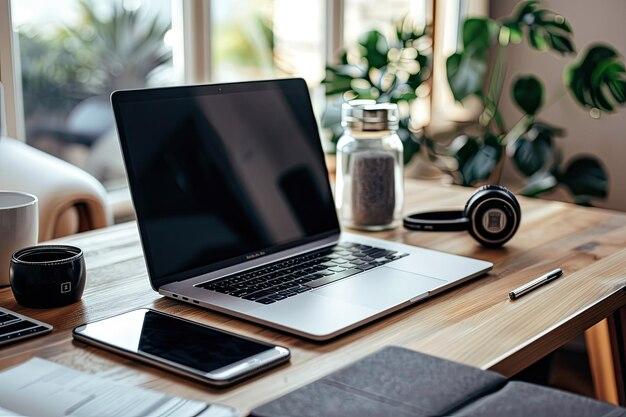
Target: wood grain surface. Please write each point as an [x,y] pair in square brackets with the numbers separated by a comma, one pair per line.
[474,324]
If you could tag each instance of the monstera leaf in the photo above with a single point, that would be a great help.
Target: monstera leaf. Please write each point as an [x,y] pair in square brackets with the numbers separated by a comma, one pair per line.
[586,178]
[528,94]
[466,72]
[466,69]
[534,151]
[598,80]
[476,157]
[546,30]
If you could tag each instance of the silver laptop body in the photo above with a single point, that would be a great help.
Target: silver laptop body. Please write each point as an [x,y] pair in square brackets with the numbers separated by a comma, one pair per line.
[335,308]
[320,312]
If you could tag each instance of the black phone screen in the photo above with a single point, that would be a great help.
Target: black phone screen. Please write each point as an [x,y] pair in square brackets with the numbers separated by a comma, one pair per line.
[182,342]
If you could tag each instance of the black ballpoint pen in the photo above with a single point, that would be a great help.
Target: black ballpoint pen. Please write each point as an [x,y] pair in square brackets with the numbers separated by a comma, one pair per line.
[535,283]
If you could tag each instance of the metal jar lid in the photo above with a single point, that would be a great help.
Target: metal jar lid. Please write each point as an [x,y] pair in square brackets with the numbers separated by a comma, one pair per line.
[369,116]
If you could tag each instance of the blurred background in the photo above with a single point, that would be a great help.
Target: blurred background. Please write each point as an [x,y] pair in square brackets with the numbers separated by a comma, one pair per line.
[61,60]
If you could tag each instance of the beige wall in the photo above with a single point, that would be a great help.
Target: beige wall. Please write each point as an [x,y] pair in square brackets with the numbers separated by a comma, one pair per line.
[592,21]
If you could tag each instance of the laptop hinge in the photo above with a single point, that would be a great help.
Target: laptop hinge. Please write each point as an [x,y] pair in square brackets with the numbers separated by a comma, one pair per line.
[262,260]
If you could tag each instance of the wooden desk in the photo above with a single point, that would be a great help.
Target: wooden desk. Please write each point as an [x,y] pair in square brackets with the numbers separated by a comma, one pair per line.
[475,324]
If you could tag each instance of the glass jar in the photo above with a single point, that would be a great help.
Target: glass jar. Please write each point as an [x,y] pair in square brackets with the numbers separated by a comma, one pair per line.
[369,189]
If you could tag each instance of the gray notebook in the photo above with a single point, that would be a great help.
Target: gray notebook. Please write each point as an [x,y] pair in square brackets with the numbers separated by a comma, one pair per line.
[403,383]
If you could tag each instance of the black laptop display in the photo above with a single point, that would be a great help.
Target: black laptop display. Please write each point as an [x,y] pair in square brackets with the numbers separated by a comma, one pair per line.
[221,174]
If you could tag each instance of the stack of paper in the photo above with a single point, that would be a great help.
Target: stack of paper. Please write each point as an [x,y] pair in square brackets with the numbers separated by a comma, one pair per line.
[40,388]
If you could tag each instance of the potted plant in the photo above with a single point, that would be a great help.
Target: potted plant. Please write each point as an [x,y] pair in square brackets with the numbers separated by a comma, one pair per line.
[388,69]
[595,79]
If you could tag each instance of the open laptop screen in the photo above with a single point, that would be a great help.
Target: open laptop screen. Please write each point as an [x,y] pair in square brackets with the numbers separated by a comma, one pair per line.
[223,173]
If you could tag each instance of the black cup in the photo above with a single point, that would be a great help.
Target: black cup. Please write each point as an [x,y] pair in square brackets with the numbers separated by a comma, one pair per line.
[47,276]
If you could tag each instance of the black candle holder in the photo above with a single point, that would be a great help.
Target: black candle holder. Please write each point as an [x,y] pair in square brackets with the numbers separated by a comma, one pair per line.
[47,276]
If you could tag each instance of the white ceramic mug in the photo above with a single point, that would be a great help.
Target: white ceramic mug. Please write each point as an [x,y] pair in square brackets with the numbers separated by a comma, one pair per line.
[19,227]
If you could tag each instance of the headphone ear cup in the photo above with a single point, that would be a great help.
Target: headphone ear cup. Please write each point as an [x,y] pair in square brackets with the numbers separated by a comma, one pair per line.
[494,215]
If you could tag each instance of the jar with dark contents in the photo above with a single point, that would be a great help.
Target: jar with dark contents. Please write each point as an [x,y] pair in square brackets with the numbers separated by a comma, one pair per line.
[369,191]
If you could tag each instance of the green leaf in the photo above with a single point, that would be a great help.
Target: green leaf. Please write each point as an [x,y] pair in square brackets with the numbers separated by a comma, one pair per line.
[463,148]
[531,155]
[478,33]
[376,48]
[466,73]
[586,178]
[598,79]
[539,184]
[528,94]
[546,30]
[336,81]
[476,158]
[534,151]
[466,69]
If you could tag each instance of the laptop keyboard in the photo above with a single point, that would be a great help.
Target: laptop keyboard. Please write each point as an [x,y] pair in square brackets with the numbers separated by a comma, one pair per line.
[292,276]
[14,326]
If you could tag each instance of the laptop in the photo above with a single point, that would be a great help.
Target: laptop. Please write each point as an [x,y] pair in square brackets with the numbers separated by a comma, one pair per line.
[236,213]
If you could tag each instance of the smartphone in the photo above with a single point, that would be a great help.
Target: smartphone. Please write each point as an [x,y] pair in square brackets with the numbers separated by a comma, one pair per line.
[188,348]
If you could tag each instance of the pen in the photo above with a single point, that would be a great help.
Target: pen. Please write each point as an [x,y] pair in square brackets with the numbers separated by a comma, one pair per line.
[535,283]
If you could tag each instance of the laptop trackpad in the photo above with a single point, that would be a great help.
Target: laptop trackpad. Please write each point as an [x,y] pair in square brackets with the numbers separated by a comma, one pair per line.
[380,288]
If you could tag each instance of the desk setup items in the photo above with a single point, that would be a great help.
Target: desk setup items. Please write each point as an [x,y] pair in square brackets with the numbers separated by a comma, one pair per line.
[236,214]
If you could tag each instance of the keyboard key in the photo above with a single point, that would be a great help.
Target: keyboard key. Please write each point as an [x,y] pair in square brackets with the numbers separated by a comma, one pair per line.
[17,326]
[336,269]
[7,318]
[266,300]
[332,278]
[257,295]
[277,297]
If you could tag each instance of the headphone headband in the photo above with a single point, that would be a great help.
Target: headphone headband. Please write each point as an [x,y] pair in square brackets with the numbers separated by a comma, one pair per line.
[437,221]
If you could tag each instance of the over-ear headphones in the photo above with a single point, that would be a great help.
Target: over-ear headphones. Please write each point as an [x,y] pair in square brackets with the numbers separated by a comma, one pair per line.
[491,215]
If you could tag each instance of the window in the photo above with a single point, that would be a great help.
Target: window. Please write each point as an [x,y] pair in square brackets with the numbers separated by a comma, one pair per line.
[73,54]
[255,39]
[361,15]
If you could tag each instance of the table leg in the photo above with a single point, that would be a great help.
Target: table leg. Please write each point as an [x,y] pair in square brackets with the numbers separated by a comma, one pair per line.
[617,334]
[599,343]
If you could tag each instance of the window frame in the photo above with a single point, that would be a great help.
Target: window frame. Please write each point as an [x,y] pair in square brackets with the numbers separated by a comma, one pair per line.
[194,23]
[11,107]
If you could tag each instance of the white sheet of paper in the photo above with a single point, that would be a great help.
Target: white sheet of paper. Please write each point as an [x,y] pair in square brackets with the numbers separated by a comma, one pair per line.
[40,388]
